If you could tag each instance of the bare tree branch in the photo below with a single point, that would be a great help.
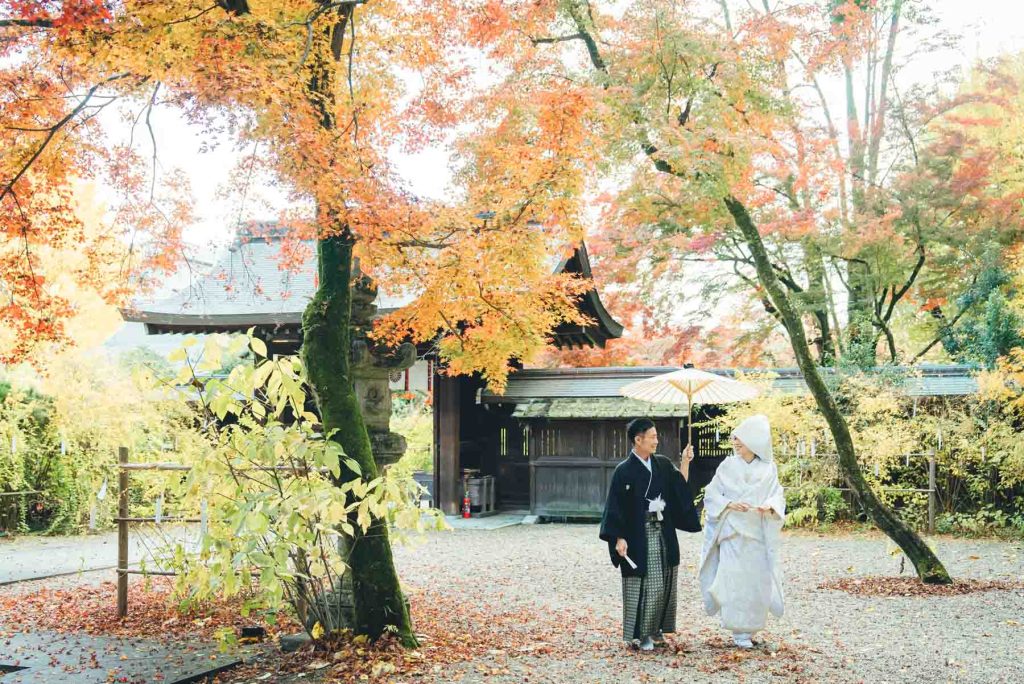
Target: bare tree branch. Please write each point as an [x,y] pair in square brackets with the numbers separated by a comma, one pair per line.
[27,23]
[53,130]
[548,40]
[897,295]
[585,28]
[152,138]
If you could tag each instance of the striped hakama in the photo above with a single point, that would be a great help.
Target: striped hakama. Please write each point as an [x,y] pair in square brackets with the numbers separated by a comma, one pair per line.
[649,603]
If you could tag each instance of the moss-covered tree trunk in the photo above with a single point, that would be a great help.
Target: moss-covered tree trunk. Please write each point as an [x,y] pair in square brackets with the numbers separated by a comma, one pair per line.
[326,352]
[928,566]
[378,604]
[816,301]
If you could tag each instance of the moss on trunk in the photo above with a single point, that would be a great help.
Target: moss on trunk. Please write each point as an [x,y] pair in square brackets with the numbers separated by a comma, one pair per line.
[929,567]
[326,351]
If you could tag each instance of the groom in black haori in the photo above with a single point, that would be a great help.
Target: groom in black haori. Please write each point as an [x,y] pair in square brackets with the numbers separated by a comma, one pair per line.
[649,499]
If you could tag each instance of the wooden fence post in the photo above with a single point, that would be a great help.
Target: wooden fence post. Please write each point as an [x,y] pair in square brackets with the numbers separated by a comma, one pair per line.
[122,533]
[931,492]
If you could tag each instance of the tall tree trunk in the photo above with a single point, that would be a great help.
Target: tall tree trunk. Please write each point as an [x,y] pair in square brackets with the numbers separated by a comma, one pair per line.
[326,351]
[877,130]
[928,566]
[861,336]
[377,598]
[859,331]
[817,302]
[860,303]
[864,144]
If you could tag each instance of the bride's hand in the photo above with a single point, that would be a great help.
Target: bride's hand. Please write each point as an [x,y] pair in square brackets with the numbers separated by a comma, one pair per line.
[738,506]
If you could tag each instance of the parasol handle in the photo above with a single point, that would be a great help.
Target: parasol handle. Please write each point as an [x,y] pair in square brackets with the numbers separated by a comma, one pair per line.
[689,419]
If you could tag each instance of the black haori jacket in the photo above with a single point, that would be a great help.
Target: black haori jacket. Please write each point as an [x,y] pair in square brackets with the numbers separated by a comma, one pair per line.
[626,508]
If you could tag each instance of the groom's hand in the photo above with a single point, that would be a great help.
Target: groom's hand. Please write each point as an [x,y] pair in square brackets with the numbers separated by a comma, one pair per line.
[620,547]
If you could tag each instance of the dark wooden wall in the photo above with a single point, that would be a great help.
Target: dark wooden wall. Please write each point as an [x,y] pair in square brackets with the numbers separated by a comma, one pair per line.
[571,462]
[711,447]
[483,438]
[512,460]
[551,467]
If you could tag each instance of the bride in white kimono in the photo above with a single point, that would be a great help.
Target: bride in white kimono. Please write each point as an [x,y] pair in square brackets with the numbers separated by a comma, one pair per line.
[745,508]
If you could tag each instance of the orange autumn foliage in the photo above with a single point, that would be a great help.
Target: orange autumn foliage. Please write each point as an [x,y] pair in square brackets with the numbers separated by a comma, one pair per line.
[245,71]
[650,107]
[686,110]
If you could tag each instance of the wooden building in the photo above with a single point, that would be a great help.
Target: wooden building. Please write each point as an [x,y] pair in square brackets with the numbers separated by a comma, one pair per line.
[555,435]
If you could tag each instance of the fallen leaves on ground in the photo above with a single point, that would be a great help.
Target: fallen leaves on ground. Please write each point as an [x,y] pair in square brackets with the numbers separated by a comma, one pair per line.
[152,612]
[451,630]
[477,631]
[777,658]
[911,586]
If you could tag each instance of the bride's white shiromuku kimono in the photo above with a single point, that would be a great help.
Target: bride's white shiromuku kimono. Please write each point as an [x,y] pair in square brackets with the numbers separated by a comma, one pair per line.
[739,569]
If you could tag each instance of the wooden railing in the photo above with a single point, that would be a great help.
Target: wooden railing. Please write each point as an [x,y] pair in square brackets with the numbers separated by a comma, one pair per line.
[124,517]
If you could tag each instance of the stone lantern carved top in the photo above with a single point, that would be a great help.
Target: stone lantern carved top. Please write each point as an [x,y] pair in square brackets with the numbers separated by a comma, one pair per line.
[364,293]
[372,366]
[368,358]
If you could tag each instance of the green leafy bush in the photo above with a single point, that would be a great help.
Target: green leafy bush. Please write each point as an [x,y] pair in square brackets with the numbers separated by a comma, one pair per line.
[414,420]
[974,441]
[60,432]
[280,515]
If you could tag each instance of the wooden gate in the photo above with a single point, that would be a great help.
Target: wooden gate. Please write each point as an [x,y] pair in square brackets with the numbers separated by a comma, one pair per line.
[571,462]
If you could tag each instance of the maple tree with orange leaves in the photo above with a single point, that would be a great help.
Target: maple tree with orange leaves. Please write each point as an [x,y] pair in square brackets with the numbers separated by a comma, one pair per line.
[724,156]
[884,204]
[319,86]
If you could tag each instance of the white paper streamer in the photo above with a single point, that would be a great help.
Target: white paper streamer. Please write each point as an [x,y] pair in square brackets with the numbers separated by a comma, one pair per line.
[656,505]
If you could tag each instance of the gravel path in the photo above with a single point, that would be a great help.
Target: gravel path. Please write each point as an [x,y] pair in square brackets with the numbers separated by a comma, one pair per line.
[825,636]
[555,602]
[28,557]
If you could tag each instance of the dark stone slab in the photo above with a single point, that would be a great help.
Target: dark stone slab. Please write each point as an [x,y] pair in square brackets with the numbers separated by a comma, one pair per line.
[293,642]
[49,657]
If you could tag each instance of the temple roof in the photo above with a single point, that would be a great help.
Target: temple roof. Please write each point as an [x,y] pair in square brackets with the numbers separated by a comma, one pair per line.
[250,286]
[566,392]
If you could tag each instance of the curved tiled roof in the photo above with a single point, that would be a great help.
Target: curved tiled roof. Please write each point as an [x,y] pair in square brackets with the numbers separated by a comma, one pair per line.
[250,286]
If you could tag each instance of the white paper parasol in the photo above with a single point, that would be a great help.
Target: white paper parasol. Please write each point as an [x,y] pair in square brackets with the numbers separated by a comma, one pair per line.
[690,386]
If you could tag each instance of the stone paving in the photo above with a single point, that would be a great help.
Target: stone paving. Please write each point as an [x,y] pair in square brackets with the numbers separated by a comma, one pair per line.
[49,658]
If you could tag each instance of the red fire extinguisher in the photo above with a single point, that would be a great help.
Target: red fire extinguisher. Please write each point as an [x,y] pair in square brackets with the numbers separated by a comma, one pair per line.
[465,505]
